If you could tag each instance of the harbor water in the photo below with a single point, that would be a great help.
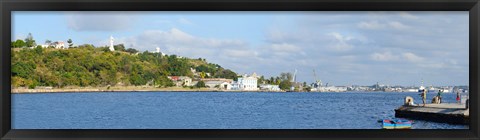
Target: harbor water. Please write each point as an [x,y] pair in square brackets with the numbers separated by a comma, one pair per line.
[212,110]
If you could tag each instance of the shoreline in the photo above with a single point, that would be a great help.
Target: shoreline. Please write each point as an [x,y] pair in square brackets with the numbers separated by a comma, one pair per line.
[131,89]
[124,89]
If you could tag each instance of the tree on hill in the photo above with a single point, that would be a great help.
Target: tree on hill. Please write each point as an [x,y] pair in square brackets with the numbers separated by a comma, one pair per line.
[203,75]
[119,47]
[131,50]
[89,47]
[18,44]
[29,41]
[70,42]
[23,69]
[226,73]
[48,42]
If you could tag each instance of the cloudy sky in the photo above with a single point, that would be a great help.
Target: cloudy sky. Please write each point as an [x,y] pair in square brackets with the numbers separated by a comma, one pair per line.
[344,48]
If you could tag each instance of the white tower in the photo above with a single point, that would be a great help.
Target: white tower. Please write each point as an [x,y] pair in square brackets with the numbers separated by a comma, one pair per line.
[111,44]
[158,49]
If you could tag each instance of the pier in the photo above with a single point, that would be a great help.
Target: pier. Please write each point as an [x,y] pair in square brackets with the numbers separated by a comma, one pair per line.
[453,113]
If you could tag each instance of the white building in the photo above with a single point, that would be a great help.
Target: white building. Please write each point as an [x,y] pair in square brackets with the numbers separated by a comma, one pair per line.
[226,86]
[158,51]
[219,84]
[59,45]
[181,80]
[269,87]
[334,89]
[246,83]
[56,45]
[213,84]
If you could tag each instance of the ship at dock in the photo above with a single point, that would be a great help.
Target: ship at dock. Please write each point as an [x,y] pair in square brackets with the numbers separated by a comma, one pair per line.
[432,89]
[421,88]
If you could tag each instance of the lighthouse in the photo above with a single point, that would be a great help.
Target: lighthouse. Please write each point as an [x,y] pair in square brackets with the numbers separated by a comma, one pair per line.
[111,44]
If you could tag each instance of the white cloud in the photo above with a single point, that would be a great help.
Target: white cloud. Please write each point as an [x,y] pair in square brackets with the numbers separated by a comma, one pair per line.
[348,58]
[385,56]
[98,21]
[277,36]
[179,36]
[453,61]
[407,15]
[385,44]
[389,56]
[376,25]
[163,22]
[340,42]
[371,25]
[239,53]
[227,52]
[284,47]
[184,21]
[398,25]
[433,65]
[412,57]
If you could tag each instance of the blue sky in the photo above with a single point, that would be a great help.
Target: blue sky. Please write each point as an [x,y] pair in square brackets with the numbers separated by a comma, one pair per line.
[344,48]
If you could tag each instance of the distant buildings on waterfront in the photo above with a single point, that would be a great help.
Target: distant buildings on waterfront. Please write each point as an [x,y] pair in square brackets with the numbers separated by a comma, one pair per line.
[181,80]
[247,82]
[387,88]
[244,82]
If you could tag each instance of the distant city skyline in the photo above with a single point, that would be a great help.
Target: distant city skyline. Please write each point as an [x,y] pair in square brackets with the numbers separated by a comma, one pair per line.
[344,48]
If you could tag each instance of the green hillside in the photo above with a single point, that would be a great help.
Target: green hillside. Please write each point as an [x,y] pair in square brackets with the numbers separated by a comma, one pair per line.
[87,65]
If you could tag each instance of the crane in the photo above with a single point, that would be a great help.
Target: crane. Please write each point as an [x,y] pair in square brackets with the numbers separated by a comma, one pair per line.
[292,88]
[317,83]
[295,75]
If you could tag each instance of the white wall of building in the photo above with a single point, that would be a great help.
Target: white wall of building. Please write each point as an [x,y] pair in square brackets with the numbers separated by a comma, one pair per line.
[247,83]
[269,87]
[226,86]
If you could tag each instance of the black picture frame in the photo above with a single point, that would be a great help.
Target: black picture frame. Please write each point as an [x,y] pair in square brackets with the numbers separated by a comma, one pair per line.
[6,6]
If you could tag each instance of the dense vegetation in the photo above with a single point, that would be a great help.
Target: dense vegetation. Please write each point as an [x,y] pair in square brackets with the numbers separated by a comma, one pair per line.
[284,81]
[86,65]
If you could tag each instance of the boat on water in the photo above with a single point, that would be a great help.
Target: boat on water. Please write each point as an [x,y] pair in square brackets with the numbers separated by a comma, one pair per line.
[421,88]
[397,124]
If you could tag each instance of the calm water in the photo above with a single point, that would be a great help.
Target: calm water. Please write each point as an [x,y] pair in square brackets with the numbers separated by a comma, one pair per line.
[211,110]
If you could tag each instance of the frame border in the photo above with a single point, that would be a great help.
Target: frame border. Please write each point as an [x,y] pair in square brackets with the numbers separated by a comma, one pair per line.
[7,6]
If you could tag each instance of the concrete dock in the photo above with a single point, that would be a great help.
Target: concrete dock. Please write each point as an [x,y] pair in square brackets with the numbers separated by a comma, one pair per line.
[445,113]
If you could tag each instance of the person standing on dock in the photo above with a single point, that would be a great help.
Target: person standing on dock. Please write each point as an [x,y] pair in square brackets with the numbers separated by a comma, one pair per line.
[439,95]
[424,96]
[458,97]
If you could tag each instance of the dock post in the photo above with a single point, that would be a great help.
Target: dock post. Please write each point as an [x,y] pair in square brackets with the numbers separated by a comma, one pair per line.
[467,103]
[408,100]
